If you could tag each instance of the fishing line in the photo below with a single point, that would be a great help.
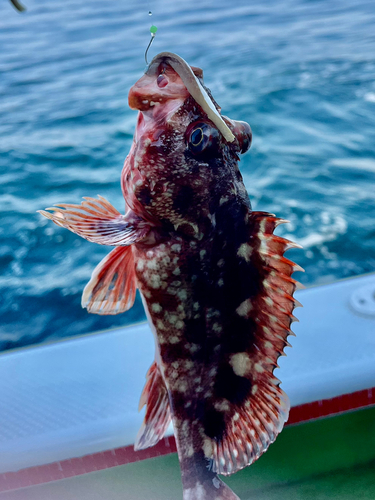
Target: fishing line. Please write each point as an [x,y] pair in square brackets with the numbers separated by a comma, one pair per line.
[153,31]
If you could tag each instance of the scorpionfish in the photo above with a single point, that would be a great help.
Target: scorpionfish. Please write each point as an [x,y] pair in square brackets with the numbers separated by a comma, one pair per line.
[215,285]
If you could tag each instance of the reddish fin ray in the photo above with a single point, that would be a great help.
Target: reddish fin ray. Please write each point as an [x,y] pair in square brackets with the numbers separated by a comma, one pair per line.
[254,424]
[158,415]
[98,221]
[112,287]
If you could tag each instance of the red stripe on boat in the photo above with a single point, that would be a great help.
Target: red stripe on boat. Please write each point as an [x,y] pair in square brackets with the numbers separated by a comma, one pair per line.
[125,455]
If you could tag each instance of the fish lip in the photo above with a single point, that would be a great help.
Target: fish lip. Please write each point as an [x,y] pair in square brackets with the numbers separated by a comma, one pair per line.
[146,93]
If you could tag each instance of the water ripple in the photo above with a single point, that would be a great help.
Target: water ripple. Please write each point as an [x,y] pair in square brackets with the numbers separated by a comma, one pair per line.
[301,72]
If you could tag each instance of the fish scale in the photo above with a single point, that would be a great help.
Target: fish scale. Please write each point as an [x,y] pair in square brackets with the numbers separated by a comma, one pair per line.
[216,287]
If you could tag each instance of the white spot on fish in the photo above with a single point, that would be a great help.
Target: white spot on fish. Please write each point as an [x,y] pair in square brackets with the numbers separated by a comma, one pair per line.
[181,386]
[140,265]
[268,301]
[222,405]
[244,308]
[182,294]
[196,306]
[240,363]
[176,247]
[245,251]
[172,318]
[202,253]
[166,260]
[216,482]
[207,448]
[217,327]
[258,368]
[174,340]
[156,308]
[221,262]
[176,271]
[192,347]
[190,451]
[155,281]
[220,282]
[195,493]
[152,264]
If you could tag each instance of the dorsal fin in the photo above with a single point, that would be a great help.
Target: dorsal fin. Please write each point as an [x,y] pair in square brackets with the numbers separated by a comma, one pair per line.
[251,423]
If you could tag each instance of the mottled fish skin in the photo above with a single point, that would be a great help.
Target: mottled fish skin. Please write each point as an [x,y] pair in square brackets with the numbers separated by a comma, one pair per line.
[216,287]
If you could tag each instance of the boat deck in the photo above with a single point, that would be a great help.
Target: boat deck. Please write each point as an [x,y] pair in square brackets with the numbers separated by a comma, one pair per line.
[331,458]
[68,413]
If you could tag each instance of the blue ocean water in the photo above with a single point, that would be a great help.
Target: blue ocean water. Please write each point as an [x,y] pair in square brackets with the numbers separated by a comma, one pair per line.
[301,72]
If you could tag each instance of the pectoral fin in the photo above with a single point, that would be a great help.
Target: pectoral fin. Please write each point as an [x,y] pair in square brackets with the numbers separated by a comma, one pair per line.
[112,287]
[98,221]
[158,415]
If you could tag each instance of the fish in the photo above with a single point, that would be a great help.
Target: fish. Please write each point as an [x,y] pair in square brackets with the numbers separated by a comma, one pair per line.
[215,284]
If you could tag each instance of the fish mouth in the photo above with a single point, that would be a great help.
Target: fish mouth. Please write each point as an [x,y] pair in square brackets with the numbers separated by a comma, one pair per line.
[159,85]
[170,78]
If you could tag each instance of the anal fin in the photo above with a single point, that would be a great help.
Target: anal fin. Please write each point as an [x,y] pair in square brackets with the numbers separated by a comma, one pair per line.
[112,287]
[158,415]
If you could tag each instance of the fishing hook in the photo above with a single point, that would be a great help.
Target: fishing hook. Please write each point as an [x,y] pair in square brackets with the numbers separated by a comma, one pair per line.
[153,31]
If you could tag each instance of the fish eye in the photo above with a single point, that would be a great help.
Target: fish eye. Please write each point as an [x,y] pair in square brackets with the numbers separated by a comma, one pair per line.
[196,137]
[201,137]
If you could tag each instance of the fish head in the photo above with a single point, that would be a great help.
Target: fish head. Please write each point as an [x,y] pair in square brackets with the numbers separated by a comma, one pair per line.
[185,153]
